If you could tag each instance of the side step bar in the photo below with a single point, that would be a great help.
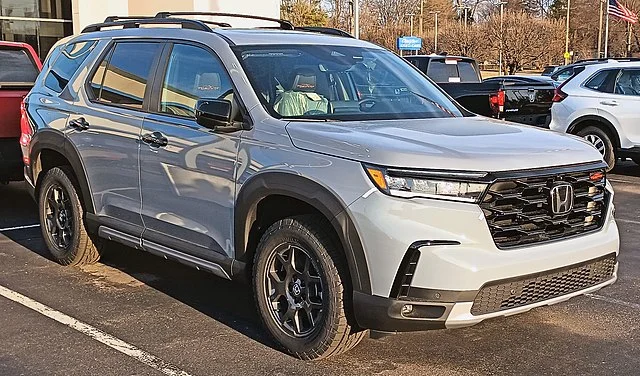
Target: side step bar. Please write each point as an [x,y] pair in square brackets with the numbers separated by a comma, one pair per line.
[162,251]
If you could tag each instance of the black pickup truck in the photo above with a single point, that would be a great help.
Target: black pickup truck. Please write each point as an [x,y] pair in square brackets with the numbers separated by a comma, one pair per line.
[521,99]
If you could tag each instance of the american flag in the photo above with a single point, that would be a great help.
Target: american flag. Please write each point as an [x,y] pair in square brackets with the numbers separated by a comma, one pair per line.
[616,9]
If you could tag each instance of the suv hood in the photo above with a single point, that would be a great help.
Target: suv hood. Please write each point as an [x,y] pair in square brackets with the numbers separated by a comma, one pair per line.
[471,143]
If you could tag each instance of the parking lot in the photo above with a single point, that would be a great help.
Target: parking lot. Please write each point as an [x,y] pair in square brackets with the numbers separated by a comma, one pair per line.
[154,316]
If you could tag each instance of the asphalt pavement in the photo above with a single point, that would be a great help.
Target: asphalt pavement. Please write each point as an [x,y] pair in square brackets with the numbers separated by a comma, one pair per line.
[137,314]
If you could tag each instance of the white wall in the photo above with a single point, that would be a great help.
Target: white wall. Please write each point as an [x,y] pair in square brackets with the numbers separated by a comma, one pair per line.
[86,12]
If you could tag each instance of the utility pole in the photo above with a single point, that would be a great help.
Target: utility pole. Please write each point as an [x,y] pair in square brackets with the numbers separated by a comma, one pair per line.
[600,31]
[356,18]
[435,33]
[466,19]
[566,36]
[502,3]
[421,16]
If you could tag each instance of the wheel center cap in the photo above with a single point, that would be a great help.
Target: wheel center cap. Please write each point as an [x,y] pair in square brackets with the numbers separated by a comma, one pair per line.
[296,289]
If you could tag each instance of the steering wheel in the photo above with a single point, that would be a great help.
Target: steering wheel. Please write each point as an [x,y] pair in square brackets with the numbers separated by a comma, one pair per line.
[367,104]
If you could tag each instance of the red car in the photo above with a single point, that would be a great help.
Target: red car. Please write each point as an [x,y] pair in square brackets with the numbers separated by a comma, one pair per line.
[19,67]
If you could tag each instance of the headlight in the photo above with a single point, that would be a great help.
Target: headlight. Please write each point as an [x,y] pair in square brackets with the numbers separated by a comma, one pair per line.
[439,185]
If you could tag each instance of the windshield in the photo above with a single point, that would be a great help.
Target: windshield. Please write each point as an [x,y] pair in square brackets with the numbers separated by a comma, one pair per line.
[341,83]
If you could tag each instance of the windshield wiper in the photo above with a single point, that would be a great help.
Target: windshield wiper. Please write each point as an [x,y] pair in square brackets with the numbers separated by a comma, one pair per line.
[438,105]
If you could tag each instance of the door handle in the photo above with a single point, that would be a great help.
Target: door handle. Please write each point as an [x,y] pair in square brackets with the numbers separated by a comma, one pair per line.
[609,103]
[155,139]
[79,124]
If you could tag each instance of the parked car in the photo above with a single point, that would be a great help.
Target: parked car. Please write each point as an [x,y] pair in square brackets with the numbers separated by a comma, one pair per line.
[565,72]
[601,104]
[345,186]
[520,101]
[19,67]
[549,70]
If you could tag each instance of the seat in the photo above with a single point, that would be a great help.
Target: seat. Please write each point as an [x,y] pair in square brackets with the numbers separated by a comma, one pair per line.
[302,97]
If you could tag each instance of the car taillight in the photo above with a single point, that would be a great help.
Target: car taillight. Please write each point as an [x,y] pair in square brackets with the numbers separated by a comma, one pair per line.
[559,95]
[25,133]
[497,101]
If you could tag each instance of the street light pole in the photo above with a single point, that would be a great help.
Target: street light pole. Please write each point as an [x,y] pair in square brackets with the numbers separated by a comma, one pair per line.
[600,31]
[435,33]
[566,36]
[502,3]
[421,16]
[410,22]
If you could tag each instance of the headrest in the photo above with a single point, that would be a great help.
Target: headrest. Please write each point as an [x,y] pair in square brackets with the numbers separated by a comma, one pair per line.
[304,80]
[208,82]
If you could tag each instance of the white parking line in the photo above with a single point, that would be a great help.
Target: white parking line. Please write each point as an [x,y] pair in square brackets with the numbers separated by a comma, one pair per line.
[628,221]
[95,333]
[614,301]
[18,227]
[621,181]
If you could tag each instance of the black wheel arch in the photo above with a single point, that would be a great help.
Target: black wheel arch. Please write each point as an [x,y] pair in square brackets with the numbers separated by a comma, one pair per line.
[53,141]
[595,120]
[269,184]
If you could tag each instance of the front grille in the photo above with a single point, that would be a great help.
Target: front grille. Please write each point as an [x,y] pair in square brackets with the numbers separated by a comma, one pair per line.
[518,210]
[502,295]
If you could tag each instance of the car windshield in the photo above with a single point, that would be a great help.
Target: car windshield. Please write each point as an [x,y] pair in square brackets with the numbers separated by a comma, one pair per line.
[341,83]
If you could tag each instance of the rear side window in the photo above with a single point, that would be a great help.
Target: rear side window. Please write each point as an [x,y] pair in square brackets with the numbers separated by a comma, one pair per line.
[452,70]
[16,65]
[65,66]
[602,81]
[121,78]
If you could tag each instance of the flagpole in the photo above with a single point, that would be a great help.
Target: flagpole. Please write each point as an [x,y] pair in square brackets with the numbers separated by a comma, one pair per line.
[600,31]
[606,35]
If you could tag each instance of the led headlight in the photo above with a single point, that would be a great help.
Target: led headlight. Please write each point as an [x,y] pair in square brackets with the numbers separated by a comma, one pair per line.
[448,186]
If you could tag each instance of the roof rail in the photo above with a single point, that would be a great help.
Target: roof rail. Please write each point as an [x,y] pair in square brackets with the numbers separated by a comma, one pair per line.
[122,18]
[325,30]
[286,25]
[137,22]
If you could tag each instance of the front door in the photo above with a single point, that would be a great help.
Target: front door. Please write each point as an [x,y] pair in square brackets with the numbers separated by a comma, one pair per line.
[187,174]
[625,105]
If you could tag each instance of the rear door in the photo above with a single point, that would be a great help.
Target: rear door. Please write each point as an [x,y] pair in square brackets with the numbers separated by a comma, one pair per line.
[187,177]
[105,130]
[625,104]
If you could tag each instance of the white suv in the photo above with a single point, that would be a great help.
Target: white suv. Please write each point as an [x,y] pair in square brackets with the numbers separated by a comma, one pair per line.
[601,104]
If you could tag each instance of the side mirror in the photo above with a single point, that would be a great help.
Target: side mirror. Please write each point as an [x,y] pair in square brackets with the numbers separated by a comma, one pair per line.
[215,114]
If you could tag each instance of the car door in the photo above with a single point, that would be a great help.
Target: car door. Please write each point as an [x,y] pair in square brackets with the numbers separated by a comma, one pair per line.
[187,171]
[106,127]
[624,104]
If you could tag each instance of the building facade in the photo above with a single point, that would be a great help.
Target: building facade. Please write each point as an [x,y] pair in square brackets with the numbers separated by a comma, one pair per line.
[43,22]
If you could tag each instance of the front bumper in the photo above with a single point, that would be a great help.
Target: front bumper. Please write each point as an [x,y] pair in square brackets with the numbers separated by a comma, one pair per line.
[448,276]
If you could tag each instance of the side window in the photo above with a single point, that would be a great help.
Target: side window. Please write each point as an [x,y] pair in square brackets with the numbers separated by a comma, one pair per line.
[192,73]
[628,82]
[121,78]
[602,81]
[65,66]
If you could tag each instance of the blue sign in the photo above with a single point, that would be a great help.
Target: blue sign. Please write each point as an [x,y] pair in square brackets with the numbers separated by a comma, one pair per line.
[409,43]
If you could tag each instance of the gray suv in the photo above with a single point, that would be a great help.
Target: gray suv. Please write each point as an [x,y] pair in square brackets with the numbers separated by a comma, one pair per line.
[335,178]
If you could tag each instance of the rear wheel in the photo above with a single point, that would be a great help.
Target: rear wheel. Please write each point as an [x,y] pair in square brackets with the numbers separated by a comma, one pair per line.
[62,219]
[602,142]
[298,277]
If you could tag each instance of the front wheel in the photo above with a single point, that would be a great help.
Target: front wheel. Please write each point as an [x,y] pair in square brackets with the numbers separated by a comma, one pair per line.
[62,219]
[298,280]
[601,141]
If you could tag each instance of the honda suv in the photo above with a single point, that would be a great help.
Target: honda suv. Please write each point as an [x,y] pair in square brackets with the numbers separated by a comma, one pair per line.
[335,178]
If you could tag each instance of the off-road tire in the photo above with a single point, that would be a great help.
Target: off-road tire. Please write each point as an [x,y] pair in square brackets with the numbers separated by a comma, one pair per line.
[81,249]
[609,149]
[333,334]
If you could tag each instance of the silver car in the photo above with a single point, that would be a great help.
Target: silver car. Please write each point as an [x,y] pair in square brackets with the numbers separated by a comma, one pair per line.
[345,186]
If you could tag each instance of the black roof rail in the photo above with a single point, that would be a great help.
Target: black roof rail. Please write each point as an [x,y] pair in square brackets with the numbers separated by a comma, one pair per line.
[286,25]
[325,30]
[136,23]
[122,18]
